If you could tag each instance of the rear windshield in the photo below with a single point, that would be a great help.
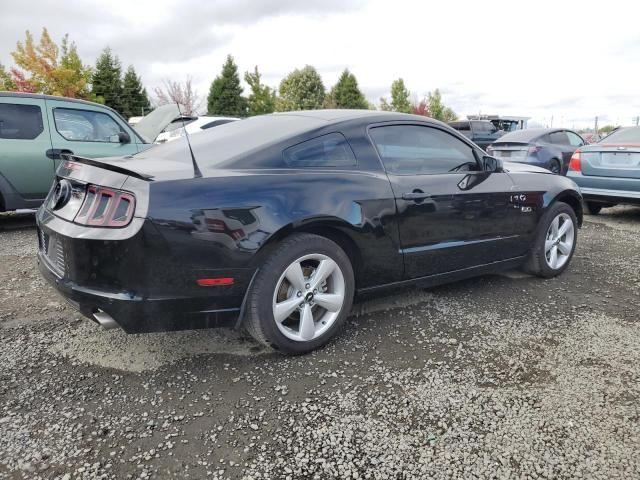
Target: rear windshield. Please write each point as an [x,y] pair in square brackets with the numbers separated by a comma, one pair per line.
[523,136]
[623,135]
[216,147]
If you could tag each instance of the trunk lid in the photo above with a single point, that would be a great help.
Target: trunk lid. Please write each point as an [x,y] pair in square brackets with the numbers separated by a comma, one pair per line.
[151,125]
[621,161]
[510,151]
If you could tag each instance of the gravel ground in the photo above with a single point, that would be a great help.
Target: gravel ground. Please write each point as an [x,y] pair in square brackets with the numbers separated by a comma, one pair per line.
[503,376]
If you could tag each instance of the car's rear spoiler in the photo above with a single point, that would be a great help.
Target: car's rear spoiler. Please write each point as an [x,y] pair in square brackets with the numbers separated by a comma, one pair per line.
[107,166]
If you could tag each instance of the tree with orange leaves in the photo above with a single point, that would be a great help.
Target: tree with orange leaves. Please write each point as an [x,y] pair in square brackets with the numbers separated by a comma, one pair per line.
[46,68]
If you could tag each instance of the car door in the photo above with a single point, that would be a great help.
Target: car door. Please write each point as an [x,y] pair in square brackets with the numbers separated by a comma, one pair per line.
[85,131]
[451,214]
[25,171]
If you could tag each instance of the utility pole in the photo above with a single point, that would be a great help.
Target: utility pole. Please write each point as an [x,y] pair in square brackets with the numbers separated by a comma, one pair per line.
[595,128]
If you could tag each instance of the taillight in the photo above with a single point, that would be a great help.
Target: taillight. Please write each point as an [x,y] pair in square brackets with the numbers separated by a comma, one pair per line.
[534,149]
[106,207]
[575,163]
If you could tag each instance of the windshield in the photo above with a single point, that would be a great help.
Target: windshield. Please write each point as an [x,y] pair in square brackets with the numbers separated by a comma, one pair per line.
[623,135]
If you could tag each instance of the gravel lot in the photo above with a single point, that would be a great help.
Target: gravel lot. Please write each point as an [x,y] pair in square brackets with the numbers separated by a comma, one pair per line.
[497,377]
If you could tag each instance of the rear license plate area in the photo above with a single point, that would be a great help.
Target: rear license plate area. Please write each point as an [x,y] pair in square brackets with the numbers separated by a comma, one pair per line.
[52,252]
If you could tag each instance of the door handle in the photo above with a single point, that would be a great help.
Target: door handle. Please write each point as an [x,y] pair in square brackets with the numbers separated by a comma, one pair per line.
[415,195]
[56,153]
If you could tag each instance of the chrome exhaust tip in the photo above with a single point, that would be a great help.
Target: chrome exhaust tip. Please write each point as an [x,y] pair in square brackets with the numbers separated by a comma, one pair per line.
[105,320]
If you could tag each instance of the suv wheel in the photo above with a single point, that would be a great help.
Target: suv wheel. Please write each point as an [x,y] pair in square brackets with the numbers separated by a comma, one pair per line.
[302,294]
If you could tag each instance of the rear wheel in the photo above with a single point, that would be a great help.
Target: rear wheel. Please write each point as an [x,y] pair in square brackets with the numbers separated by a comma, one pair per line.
[594,208]
[556,167]
[554,243]
[302,295]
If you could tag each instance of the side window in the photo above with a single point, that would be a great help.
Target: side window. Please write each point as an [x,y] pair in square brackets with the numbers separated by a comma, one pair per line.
[85,125]
[574,139]
[559,138]
[20,122]
[484,127]
[416,150]
[330,150]
[462,126]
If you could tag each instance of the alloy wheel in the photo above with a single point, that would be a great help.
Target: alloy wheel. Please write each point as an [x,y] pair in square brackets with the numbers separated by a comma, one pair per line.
[559,240]
[308,298]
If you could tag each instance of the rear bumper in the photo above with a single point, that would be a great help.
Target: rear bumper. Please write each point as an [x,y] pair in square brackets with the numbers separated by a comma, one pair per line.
[607,189]
[610,196]
[137,314]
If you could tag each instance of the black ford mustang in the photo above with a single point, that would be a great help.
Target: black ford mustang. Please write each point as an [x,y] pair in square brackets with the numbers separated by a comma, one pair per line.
[276,222]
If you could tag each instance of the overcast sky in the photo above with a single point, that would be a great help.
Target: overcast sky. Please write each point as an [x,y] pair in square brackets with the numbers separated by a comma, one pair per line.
[570,60]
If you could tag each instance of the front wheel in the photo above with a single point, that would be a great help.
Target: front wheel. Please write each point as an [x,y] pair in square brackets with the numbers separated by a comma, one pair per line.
[301,295]
[554,243]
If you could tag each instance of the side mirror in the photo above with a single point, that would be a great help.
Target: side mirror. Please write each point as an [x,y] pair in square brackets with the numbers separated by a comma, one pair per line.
[492,164]
[123,137]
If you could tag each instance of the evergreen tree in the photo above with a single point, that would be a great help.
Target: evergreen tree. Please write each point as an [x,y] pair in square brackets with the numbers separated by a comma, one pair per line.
[301,90]
[346,94]
[262,98]
[135,99]
[107,80]
[400,97]
[225,95]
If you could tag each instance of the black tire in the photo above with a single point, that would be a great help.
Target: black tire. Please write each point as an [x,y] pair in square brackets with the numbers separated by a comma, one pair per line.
[594,208]
[260,321]
[536,263]
[555,167]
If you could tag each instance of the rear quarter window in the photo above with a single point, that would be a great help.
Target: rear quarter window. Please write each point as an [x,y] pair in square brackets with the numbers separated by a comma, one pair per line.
[20,122]
[330,150]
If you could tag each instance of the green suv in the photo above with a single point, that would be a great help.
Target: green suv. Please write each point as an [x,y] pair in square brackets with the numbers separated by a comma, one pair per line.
[36,130]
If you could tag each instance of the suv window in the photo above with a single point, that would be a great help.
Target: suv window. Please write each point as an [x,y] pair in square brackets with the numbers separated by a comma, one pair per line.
[417,150]
[559,138]
[20,122]
[85,125]
[574,139]
[461,126]
[484,127]
[330,150]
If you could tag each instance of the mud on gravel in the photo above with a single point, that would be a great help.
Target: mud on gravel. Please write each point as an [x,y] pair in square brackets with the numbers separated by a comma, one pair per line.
[503,376]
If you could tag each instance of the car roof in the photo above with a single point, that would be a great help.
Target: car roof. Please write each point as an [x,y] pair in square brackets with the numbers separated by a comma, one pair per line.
[528,134]
[39,96]
[334,116]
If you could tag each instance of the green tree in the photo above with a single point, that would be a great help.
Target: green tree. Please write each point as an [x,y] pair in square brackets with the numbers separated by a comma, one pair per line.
[6,82]
[400,97]
[49,69]
[301,90]
[437,109]
[225,95]
[106,83]
[346,93]
[135,98]
[262,98]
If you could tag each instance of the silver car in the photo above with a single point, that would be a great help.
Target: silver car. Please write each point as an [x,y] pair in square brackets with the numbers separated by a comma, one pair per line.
[608,172]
